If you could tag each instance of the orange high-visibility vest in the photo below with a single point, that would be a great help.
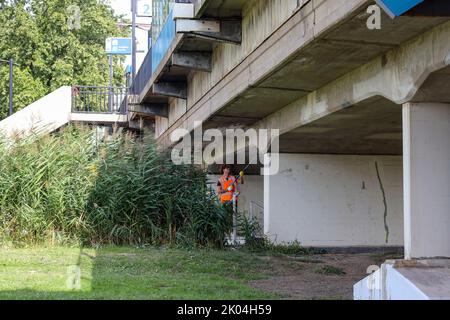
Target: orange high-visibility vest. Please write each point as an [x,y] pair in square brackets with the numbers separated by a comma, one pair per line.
[228,196]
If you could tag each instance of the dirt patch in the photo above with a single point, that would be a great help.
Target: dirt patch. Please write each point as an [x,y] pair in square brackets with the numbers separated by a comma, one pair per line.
[303,277]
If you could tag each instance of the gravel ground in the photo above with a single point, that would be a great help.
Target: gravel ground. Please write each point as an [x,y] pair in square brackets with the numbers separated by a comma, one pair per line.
[327,276]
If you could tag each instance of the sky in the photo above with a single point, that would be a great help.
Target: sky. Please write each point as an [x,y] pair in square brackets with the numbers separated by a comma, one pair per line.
[123,7]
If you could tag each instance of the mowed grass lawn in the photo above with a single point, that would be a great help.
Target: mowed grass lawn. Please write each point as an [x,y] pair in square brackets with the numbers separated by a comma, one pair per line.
[130,273]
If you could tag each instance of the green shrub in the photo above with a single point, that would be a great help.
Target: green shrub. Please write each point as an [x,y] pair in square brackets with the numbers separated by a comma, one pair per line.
[251,230]
[69,187]
[255,240]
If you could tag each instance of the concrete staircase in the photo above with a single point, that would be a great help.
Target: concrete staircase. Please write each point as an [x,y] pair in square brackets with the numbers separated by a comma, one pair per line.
[43,116]
[51,113]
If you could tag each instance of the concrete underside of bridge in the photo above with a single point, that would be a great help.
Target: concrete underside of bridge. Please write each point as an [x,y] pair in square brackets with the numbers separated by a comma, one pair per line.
[364,120]
[322,42]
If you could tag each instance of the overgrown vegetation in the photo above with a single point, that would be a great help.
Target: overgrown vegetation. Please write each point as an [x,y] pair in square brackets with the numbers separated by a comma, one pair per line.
[69,188]
[256,241]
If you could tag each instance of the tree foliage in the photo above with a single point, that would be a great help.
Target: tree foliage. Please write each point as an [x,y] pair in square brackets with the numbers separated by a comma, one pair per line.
[37,34]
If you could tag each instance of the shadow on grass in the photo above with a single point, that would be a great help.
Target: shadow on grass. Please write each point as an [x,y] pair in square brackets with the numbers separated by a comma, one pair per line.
[129,273]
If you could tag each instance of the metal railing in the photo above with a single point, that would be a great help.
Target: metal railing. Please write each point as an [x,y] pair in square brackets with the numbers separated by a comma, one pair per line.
[92,99]
[11,65]
[162,43]
[143,76]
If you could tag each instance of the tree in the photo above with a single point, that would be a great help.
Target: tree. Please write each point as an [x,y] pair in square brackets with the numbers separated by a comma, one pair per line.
[40,36]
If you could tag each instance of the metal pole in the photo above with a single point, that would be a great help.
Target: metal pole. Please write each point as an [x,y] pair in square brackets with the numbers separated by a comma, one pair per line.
[234,235]
[111,71]
[11,83]
[111,74]
[133,38]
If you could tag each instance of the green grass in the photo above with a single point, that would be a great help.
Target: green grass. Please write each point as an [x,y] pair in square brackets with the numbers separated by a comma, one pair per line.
[131,273]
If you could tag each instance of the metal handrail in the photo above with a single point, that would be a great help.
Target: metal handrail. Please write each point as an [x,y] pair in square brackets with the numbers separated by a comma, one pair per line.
[143,76]
[11,64]
[99,99]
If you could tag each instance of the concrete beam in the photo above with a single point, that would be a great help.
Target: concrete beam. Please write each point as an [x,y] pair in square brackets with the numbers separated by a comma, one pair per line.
[191,25]
[222,31]
[136,124]
[396,75]
[183,11]
[151,109]
[220,9]
[171,89]
[194,60]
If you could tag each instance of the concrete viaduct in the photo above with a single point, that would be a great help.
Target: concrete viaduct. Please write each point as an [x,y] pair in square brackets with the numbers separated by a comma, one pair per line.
[363,114]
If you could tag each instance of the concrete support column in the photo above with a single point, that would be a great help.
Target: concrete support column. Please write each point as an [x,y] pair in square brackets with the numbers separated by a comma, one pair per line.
[426,157]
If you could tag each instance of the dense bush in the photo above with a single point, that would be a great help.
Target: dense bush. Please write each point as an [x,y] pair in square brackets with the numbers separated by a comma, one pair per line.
[71,187]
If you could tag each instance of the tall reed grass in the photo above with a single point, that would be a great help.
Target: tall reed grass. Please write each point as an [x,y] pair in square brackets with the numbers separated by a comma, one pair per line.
[70,187]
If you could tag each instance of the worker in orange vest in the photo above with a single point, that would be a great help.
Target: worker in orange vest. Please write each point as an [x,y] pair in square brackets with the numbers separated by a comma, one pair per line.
[228,185]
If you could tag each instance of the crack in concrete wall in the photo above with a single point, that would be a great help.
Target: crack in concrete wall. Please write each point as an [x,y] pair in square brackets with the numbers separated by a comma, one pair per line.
[383,192]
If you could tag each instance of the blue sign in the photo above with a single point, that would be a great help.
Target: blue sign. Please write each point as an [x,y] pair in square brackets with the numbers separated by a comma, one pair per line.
[119,46]
[395,8]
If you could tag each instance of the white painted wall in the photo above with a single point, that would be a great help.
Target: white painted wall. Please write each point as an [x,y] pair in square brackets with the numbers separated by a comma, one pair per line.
[43,116]
[332,200]
[426,152]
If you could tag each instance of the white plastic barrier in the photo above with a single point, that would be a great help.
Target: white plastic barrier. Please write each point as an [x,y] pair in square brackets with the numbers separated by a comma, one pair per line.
[387,283]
